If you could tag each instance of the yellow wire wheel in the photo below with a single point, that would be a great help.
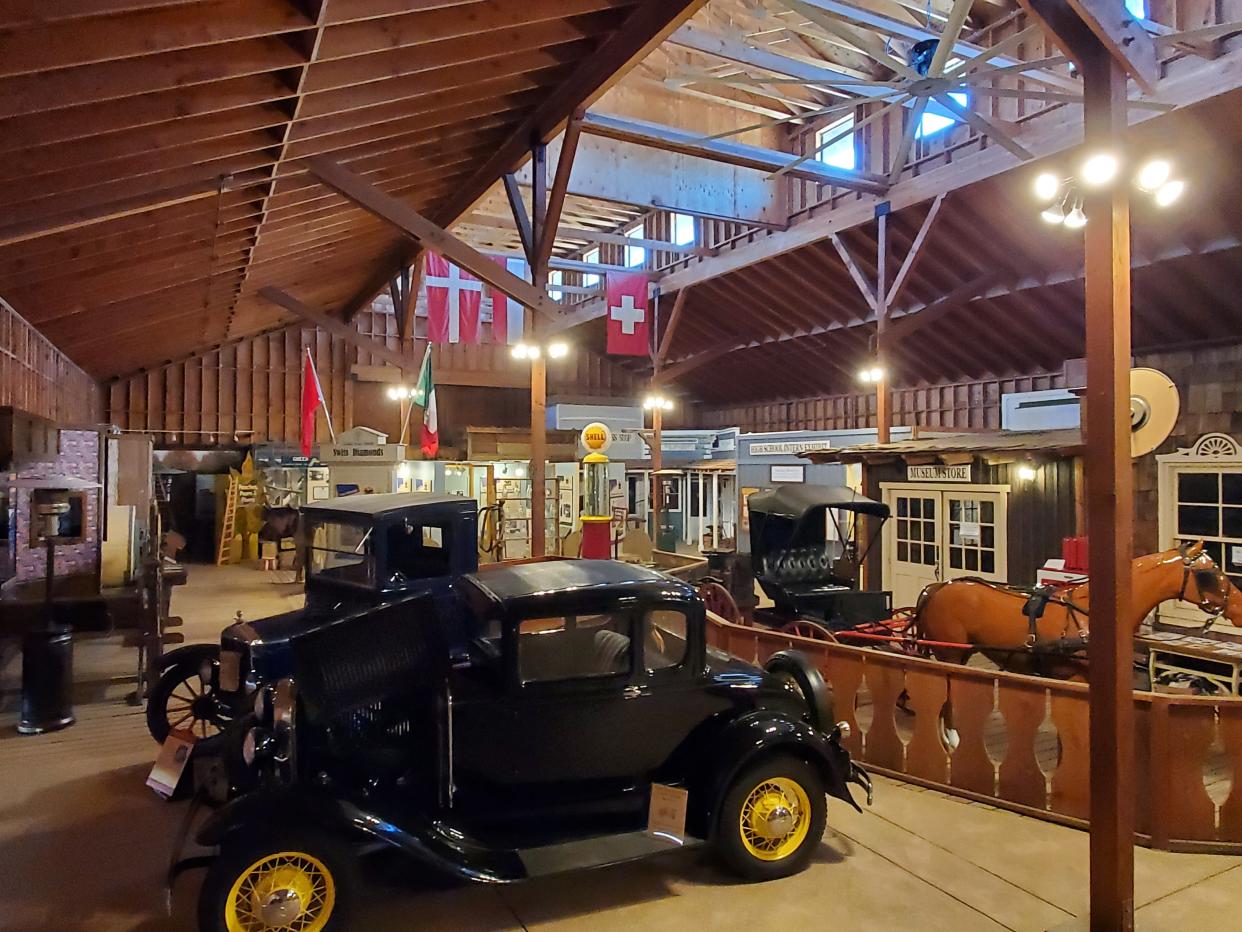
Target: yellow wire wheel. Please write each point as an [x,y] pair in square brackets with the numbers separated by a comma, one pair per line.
[287,891]
[771,818]
[775,818]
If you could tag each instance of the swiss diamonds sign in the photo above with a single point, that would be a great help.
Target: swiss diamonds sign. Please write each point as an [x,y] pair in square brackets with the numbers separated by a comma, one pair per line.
[628,314]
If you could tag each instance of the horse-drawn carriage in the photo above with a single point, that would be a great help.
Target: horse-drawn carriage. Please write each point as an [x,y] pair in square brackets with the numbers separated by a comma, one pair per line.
[807,546]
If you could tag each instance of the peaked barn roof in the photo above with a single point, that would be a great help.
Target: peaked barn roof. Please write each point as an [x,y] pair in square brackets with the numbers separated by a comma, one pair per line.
[151,180]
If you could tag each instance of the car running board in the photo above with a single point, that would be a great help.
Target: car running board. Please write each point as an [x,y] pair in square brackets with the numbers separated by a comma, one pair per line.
[600,851]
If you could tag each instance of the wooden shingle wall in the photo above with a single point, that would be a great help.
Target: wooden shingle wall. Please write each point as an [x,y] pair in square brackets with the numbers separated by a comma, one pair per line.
[252,389]
[38,378]
[951,406]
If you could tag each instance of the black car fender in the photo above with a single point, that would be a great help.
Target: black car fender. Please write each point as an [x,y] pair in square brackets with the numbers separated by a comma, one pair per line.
[760,734]
[193,654]
[450,853]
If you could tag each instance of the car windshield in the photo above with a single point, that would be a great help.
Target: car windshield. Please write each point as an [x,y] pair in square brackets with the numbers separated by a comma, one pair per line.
[342,553]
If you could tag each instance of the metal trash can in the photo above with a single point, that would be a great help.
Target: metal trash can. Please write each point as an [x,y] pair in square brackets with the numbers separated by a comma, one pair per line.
[47,681]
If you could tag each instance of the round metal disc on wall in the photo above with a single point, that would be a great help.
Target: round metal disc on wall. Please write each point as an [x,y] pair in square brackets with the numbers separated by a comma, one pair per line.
[1154,404]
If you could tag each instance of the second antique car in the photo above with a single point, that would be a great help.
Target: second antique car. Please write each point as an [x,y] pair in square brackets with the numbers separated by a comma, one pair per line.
[587,689]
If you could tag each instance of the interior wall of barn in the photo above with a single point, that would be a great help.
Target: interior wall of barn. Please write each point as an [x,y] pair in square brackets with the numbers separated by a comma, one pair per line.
[38,378]
[251,390]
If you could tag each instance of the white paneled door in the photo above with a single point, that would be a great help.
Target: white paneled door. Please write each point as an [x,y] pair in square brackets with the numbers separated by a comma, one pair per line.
[937,533]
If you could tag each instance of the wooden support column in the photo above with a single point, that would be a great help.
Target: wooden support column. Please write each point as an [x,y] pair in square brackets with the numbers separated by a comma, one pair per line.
[883,409]
[657,463]
[1110,507]
[538,367]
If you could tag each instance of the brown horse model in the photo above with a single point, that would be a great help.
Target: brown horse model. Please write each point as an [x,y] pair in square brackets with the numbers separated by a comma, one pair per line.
[996,620]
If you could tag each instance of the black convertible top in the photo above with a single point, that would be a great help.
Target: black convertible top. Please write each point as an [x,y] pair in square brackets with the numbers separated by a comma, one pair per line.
[554,585]
[793,501]
[383,504]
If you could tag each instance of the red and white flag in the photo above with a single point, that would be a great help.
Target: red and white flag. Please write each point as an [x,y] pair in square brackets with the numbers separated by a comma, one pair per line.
[453,298]
[628,314]
[312,401]
[507,314]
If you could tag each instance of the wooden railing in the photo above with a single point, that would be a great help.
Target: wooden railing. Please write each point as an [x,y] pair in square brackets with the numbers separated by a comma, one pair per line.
[1022,741]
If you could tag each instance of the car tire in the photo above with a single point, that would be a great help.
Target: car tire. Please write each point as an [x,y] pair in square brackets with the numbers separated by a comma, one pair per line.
[744,839]
[181,692]
[802,676]
[312,865]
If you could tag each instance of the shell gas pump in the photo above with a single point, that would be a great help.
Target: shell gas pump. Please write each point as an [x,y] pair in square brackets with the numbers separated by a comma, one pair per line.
[596,511]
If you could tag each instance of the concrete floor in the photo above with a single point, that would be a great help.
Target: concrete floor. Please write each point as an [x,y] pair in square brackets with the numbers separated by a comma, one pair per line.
[83,845]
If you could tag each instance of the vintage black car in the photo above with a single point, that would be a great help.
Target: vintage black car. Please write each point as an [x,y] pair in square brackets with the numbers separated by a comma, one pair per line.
[359,551]
[809,573]
[585,684]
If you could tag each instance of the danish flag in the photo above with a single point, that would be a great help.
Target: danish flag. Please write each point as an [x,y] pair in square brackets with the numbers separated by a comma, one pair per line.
[453,298]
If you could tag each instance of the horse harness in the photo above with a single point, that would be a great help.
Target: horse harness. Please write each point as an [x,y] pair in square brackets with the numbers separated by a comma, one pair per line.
[1206,581]
[1037,601]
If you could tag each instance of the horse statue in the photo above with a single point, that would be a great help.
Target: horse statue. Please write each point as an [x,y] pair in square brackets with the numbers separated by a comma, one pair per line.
[1045,631]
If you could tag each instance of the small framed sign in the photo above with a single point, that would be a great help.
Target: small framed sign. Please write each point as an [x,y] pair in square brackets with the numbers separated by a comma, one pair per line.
[666,815]
[788,474]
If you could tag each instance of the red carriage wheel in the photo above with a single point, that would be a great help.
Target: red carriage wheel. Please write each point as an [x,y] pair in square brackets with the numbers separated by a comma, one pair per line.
[720,601]
[805,628]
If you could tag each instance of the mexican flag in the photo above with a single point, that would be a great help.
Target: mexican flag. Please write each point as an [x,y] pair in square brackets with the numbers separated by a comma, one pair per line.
[425,395]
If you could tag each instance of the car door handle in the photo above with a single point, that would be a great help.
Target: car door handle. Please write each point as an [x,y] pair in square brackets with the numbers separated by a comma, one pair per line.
[631,692]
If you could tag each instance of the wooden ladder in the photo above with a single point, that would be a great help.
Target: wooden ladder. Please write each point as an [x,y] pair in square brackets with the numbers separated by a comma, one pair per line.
[229,525]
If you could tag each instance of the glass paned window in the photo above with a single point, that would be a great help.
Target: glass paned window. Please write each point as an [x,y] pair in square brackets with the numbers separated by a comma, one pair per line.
[933,123]
[573,647]
[636,255]
[683,229]
[1209,508]
[835,144]
[590,279]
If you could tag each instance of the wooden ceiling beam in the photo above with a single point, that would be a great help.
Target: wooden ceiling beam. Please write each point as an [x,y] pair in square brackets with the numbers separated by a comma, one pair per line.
[423,27]
[551,217]
[670,329]
[108,81]
[64,44]
[486,52]
[429,235]
[669,139]
[681,368]
[915,252]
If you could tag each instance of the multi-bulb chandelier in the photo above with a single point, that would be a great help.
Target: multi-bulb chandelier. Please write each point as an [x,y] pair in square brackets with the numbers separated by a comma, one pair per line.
[1064,196]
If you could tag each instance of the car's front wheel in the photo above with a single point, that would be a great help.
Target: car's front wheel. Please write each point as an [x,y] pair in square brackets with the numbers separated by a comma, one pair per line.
[184,699]
[772,819]
[301,880]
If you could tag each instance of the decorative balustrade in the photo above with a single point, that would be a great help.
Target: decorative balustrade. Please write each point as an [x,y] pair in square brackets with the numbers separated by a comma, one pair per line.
[1021,741]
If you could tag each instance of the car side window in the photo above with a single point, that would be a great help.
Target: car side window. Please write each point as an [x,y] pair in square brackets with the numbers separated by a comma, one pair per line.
[573,647]
[664,639]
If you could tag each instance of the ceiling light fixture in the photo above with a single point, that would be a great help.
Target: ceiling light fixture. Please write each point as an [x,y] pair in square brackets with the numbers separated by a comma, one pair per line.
[1047,186]
[1099,170]
[1169,192]
[1076,219]
[1154,174]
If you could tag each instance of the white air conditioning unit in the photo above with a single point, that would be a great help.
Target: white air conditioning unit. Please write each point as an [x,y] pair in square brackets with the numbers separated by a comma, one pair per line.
[1053,409]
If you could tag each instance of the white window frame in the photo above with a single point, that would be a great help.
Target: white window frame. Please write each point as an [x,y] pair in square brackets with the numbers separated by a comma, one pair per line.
[1212,453]
[694,234]
[848,143]
[636,256]
[590,279]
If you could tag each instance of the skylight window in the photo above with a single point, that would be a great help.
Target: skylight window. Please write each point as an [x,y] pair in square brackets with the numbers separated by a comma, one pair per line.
[841,153]
[636,255]
[590,279]
[556,279]
[683,229]
[933,123]
[1137,8]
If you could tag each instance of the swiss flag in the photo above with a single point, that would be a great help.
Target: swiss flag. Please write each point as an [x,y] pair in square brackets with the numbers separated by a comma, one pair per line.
[507,314]
[628,314]
[453,298]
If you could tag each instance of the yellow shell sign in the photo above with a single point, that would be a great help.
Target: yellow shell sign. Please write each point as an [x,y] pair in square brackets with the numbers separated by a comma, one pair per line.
[596,437]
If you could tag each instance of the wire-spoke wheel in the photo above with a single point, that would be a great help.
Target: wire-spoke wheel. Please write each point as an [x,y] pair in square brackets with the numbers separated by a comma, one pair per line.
[292,881]
[772,819]
[183,700]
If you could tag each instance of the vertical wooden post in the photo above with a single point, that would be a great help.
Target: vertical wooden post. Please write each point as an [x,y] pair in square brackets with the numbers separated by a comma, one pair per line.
[538,367]
[657,463]
[1110,505]
[538,455]
[883,411]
